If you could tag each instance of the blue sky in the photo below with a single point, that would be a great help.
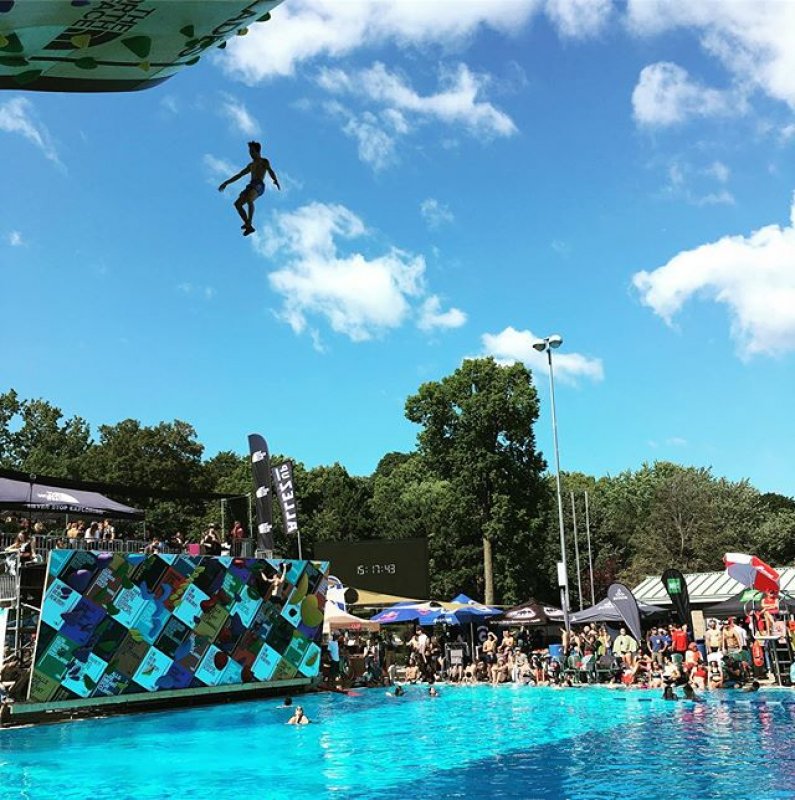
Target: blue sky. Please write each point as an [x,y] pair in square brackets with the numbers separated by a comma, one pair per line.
[458,179]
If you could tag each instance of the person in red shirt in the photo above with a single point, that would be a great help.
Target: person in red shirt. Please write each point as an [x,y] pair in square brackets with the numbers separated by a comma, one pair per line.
[679,640]
[769,610]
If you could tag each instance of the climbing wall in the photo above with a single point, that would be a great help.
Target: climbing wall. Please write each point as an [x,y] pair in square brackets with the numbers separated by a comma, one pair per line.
[116,624]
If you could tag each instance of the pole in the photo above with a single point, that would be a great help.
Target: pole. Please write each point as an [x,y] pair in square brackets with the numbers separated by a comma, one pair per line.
[576,550]
[590,555]
[300,555]
[564,588]
[223,526]
[250,517]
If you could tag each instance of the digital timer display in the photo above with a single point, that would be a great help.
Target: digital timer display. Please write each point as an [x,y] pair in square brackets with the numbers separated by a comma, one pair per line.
[393,566]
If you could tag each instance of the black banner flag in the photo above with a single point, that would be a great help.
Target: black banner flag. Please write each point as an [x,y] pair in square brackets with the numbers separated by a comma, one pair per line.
[626,604]
[285,491]
[676,586]
[261,471]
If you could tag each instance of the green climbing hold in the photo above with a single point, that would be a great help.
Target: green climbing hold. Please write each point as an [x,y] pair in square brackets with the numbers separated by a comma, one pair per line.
[222,46]
[192,62]
[86,63]
[81,40]
[11,43]
[242,31]
[145,66]
[24,78]
[13,61]
[188,31]
[140,45]
[265,17]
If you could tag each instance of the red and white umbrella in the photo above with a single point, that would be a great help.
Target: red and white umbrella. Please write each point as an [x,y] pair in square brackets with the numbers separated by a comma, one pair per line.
[752,572]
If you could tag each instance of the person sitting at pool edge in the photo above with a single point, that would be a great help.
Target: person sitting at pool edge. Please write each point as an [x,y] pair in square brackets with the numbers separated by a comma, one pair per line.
[298,718]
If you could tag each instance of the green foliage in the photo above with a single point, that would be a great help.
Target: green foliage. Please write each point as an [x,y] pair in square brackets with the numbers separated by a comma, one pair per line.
[477,434]
[475,488]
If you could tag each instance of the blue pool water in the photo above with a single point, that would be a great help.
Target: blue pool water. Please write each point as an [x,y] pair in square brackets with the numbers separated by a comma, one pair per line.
[471,742]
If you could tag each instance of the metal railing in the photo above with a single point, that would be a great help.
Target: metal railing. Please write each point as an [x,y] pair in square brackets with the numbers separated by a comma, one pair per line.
[42,544]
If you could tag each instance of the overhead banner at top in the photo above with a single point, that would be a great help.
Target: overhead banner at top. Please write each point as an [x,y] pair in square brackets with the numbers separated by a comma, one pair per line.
[113,45]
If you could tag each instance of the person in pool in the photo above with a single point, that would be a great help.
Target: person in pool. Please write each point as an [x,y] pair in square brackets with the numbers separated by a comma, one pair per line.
[298,718]
[432,691]
[257,168]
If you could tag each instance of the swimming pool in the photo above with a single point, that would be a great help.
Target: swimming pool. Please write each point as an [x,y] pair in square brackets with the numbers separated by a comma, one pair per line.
[503,742]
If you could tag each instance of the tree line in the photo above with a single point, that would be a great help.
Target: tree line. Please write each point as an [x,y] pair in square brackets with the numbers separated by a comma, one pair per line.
[475,486]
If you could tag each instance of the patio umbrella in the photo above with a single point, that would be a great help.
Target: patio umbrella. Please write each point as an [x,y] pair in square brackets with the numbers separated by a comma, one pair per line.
[752,572]
[530,613]
[423,613]
[467,610]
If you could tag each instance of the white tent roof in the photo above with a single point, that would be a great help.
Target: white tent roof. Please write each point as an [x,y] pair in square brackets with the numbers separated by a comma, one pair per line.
[335,619]
[704,587]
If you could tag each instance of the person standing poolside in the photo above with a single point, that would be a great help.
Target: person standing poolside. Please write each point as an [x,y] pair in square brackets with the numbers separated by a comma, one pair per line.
[625,647]
[258,168]
[732,641]
[679,640]
[712,637]
[658,646]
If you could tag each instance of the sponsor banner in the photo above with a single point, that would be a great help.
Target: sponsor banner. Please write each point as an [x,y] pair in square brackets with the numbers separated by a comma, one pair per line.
[285,491]
[261,472]
[622,598]
[676,586]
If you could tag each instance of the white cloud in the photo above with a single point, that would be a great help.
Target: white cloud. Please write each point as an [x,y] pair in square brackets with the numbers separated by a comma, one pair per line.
[510,345]
[753,276]
[217,169]
[361,297]
[15,239]
[666,95]
[719,171]
[682,176]
[676,441]
[432,317]
[751,38]
[206,292]
[17,115]
[237,113]
[579,19]
[435,213]
[458,102]
[303,30]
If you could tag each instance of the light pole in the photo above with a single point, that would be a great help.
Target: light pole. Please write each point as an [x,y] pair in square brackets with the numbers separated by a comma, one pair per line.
[549,344]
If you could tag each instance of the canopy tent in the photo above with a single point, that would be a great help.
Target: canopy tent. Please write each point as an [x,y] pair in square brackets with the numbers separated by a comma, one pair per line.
[461,611]
[367,598]
[742,603]
[605,611]
[705,588]
[530,613]
[31,496]
[335,619]
[467,611]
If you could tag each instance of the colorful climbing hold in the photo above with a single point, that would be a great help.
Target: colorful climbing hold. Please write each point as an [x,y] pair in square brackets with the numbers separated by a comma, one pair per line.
[23,78]
[188,31]
[81,40]
[140,45]
[6,6]
[86,63]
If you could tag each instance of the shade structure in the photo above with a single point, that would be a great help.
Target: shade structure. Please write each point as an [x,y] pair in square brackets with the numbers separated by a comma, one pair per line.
[467,610]
[423,613]
[752,572]
[605,611]
[335,619]
[530,613]
[746,601]
[32,496]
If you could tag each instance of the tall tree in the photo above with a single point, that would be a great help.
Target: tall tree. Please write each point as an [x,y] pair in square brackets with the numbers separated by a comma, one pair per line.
[477,433]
